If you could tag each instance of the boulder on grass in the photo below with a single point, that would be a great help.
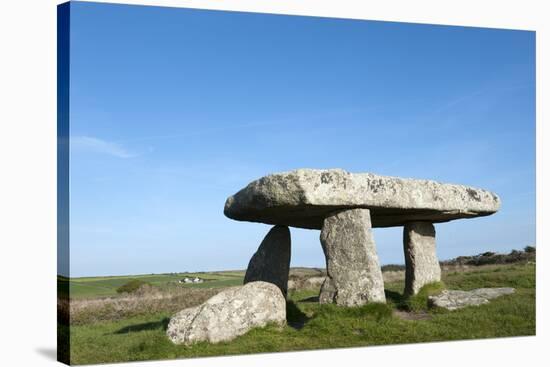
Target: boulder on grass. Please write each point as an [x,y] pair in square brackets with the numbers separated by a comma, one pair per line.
[455,299]
[228,314]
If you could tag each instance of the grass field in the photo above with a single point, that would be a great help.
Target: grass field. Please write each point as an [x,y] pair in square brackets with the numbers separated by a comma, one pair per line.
[91,287]
[141,335]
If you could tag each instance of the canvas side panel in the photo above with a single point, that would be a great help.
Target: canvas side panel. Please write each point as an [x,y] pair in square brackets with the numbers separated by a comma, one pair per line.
[63,268]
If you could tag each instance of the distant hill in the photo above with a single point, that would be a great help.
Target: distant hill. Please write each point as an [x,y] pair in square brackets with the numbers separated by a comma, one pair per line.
[529,253]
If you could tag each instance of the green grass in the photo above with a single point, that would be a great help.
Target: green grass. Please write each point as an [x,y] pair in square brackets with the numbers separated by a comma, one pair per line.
[93,287]
[419,301]
[314,326]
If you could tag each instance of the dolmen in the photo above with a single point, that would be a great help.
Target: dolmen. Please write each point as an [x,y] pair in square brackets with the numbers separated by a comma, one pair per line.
[345,207]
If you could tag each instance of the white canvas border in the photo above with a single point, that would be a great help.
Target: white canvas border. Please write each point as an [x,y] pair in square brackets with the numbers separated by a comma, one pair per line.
[27,189]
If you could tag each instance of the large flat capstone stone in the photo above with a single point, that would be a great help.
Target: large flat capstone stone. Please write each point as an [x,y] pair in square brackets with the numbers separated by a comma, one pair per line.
[305,197]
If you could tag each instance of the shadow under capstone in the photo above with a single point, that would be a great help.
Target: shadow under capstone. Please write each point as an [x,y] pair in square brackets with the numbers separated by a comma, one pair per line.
[162,324]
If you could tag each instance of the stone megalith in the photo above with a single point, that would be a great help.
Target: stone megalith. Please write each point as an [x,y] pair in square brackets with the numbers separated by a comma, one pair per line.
[309,198]
[305,197]
[354,276]
[421,263]
[228,314]
[271,262]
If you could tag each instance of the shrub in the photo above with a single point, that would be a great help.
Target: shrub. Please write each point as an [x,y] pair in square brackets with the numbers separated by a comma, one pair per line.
[487,258]
[131,286]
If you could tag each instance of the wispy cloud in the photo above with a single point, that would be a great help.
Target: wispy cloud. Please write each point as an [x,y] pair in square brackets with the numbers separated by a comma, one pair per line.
[284,122]
[207,131]
[457,101]
[487,90]
[95,145]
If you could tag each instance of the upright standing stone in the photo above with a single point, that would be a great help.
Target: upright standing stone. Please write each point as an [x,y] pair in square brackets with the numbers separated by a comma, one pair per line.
[422,266]
[354,276]
[271,262]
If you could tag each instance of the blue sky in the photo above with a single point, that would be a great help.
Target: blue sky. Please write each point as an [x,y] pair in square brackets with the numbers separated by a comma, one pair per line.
[173,110]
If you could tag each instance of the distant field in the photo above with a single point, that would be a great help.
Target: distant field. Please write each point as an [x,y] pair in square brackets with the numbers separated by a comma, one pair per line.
[92,287]
[139,334]
[105,286]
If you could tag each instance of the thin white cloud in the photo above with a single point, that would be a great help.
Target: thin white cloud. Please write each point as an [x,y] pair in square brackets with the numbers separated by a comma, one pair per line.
[95,145]
[284,122]
[458,100]
[207,131]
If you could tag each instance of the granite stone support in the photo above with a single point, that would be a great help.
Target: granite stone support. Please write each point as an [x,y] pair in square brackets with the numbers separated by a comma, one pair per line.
[422,265]
[271,262]
[354,277]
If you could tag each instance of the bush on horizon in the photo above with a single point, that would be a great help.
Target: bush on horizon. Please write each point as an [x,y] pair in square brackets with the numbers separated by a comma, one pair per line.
[131,286]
